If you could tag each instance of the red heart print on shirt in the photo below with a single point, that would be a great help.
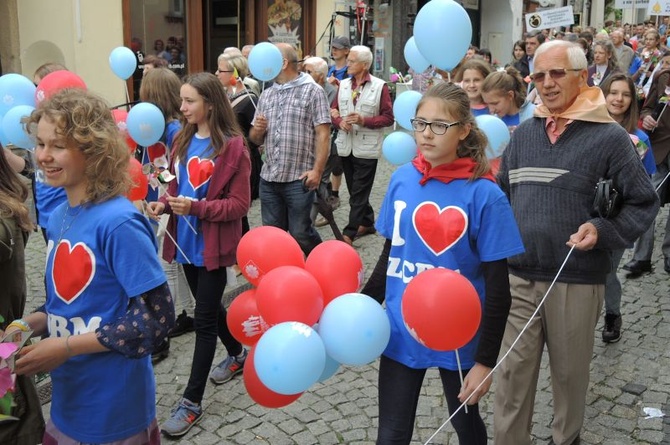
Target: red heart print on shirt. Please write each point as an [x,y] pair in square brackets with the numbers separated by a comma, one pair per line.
[73,270]
[199,171]
[439,229]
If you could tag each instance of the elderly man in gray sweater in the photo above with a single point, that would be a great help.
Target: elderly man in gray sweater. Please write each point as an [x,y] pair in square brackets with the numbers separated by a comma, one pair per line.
[549,171]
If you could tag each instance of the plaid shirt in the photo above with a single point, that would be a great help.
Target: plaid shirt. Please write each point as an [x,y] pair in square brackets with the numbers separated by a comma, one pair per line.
[293,110]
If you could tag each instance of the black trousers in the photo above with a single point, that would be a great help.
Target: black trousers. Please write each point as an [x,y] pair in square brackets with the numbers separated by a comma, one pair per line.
[399,389]
[210,322]
[359,175]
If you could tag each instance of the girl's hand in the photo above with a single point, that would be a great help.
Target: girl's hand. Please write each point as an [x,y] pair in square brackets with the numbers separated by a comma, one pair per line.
[155,209]
[472,380]
[180,206]
[43,356]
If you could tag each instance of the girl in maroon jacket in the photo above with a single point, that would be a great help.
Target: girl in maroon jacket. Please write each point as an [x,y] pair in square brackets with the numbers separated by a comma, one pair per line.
[208,199]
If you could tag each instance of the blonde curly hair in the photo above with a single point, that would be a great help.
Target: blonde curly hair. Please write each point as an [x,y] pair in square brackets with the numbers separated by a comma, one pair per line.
[85,121]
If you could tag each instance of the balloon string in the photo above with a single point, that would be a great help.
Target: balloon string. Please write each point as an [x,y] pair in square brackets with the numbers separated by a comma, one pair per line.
[125,84]
[195,232]
[460,372]
[539,306]
[167,232]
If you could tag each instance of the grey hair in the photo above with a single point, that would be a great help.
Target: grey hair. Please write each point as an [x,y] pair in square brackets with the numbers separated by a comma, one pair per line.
[318,63]
[575,54]
[363,54]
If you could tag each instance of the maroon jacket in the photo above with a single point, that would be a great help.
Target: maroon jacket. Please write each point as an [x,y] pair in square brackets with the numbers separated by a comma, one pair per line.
[228,200]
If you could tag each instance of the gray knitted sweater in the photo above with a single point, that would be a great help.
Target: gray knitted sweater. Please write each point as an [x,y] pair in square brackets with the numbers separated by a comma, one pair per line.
[552,186]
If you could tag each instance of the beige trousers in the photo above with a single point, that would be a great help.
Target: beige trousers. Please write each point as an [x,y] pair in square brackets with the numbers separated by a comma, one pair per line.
[566,324]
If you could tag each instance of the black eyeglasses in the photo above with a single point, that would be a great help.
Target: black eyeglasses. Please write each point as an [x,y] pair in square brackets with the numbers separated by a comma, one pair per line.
[223,71]
[438,128]
[555,74]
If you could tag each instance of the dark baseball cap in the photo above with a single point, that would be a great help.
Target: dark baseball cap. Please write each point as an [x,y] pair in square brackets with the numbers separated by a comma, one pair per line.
[340,42]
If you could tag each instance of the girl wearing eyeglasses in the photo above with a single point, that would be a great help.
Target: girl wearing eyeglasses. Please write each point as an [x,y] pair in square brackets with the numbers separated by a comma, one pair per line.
[451,178]
[505,94]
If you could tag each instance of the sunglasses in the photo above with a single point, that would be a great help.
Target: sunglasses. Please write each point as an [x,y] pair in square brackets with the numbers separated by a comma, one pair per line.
[555,74]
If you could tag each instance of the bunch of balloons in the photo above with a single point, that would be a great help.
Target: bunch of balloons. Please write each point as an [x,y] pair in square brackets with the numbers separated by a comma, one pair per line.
[304,317]
[442,35]
[19,97]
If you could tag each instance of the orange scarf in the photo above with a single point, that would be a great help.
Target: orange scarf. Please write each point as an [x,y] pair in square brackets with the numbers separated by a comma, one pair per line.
[461,168]
[589,106]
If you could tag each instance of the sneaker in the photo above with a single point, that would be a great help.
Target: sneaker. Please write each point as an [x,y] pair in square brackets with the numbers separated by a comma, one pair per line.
[228,369]
[612,328]
[321,221]
[182,325]
[182,419]
[161,352]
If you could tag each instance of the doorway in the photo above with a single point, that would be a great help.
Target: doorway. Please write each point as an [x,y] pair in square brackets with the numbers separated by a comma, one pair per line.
[226,24]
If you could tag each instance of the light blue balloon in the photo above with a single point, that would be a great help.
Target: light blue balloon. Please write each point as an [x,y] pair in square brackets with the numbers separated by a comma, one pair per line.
[497,133]
[123,62]
[145,123]
[355,329]
[13,127]
[414,58]
[265,61]
[289,357]
[399,148]
[3,139]
[15,89]
[330,369]
[443,33]
[404,108]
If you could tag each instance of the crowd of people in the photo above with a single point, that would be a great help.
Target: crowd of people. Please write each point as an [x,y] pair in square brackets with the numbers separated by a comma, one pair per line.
[230,140]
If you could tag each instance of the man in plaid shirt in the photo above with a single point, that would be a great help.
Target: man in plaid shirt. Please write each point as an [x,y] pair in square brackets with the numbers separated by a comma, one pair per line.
[293,122]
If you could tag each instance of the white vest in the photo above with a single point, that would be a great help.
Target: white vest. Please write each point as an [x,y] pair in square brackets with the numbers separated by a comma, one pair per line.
[365,143]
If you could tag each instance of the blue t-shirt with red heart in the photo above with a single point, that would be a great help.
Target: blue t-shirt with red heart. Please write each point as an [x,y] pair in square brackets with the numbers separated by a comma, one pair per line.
[456,226]
[193,179]
[98,257]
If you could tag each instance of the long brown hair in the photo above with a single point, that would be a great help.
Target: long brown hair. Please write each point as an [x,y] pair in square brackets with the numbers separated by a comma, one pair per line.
[160,86]
[85,121]
[12,195]
[631,115]
[456,102]
[221,118]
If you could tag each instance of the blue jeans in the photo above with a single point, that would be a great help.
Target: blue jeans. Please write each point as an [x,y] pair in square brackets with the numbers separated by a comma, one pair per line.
[399,389]
[287,205]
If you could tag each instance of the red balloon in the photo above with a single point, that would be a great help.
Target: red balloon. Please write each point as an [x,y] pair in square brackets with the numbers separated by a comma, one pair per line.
[441,309]
[265,248]
[337,268]
[139,189]
[56,81]
[260,393]
[244,320]
[120,117]
[289,293]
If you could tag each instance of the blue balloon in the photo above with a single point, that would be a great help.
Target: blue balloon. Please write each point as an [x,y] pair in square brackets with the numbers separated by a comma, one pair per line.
[443,33]
[414,58]
[497,133]
[145,123]
[123,62]
[13,127]
[404,108]
[265,61]
[355,329]
[330,369]
[399,148]
[289,357]
[4,141]
[15,89]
